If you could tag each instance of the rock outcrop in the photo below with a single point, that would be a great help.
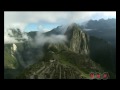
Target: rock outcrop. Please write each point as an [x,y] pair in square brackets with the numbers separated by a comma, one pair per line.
[77,39]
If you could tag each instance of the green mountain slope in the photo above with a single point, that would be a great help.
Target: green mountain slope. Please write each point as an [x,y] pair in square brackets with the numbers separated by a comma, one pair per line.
[61,65]
[9,60]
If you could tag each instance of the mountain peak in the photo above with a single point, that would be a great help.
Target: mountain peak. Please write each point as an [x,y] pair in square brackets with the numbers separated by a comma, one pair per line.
[77,39]
[74,25]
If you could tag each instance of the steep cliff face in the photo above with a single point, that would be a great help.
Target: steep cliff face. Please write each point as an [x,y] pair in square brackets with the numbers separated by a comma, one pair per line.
[9,54]
[78,40]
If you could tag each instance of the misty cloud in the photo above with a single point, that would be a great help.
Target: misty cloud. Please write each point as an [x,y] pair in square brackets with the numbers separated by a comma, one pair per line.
[41,39]
[86,29]
[9,37]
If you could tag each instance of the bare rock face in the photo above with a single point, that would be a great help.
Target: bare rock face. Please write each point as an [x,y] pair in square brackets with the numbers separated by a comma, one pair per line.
[14,47]
[78,40]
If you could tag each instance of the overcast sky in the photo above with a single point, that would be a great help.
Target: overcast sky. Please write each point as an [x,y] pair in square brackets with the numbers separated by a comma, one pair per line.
[45,21]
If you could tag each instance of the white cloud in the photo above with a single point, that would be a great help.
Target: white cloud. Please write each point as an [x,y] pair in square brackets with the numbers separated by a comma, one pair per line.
[9,37]
[104,14]
[23,18]
[110,14]
[41,39]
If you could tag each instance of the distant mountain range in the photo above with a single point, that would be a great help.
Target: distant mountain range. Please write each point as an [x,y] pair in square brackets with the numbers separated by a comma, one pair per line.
[104,29]
[75,58]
